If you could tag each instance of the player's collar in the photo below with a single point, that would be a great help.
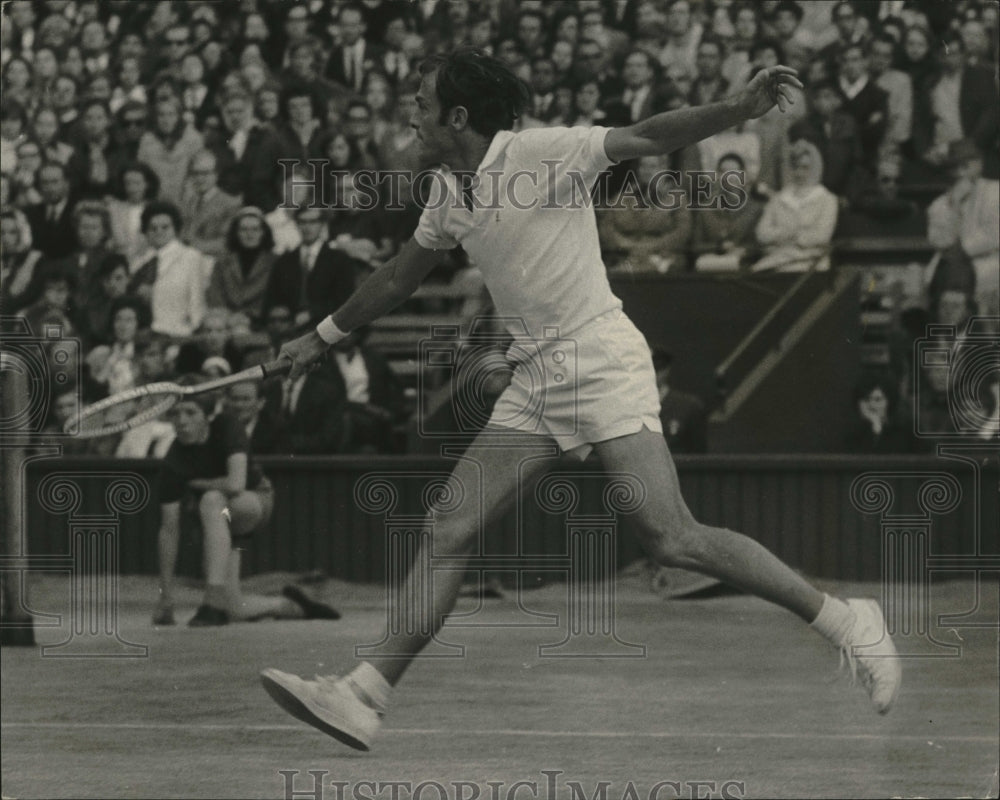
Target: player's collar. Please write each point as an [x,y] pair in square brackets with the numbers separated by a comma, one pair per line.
[500,141]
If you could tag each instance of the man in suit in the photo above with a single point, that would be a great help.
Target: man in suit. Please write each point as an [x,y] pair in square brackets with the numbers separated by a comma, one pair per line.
[942,121]
[640,98]
[51,220]
[354,57]
[682,415]
[370,393]
[313,413]
[543,95]
[313,278]
[863,100]
[206,209]
[709,85]
[835,133]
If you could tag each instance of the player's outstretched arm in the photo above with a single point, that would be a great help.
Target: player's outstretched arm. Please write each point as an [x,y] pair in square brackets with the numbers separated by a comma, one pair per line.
[380,293]
[672,130]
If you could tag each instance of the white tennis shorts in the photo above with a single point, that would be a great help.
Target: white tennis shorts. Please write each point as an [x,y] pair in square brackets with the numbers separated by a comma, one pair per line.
[595,384]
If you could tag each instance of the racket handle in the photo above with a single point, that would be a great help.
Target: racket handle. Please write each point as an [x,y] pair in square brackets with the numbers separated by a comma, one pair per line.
[277,367]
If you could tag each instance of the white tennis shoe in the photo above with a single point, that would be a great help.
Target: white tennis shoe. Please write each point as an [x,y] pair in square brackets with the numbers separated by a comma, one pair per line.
[327,703]
[871,655]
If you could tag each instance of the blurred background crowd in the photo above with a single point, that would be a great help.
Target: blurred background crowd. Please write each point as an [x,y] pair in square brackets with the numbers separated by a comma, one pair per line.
[142,194]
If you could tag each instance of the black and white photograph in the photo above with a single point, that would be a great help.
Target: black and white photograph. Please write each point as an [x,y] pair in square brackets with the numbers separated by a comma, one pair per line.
[499,399]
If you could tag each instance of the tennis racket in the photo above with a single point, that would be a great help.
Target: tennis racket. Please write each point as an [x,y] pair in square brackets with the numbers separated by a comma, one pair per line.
[134,407]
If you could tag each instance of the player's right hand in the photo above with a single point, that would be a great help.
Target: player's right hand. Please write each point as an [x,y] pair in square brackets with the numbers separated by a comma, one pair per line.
[303,352]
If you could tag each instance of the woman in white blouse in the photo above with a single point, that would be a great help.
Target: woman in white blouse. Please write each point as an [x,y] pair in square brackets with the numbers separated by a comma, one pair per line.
[173,281]
[135,186]
[798,222]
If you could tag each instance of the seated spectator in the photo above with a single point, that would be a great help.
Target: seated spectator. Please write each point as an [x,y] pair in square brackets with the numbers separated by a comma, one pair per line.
[863,100]
[370,394]
[29,159]
[709,84]
[54,305]
[724,234]
[135,186]
[898,88]
[45,128]
[169,146]
[128,86]
[51,220]
[131,118]
[746,30]
[683,35]
[968,215]
[173,280]
[798,222]
[92,233]
[645,233]
[210,474]
[586,104]
[835,134]
[683,416]
[359,128]
[110,283]
[962,105]
[850,30]
[881,426]
[212,340]
[312,413]
[247,404]
[357,231]
[149,360]
[240,277]
[879,210]
[301,132]
[246,152]
[794,39]
[113,366]
[13,131]
[313,278]
[20,277]
[97,157]
[541,108]
[207,210]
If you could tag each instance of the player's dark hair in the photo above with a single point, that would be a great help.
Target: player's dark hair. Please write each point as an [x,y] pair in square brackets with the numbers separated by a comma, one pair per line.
[486,87]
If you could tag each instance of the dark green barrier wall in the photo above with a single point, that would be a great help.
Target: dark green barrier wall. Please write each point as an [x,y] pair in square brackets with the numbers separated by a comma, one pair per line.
[799,507]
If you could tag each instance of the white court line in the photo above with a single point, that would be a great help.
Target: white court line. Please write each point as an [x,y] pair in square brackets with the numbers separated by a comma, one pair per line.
[144,726]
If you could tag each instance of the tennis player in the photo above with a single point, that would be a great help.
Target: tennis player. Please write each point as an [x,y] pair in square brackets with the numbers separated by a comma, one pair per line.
[542,265]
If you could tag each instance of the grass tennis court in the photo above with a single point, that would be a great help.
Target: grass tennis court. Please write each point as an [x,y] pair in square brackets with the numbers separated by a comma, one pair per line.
[727,693]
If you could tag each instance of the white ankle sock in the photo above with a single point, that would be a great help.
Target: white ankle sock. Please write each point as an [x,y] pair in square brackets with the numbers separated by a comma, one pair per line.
[371,683]
[834,620]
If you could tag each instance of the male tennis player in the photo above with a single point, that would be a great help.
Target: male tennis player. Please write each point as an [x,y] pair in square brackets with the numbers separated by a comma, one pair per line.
[542,265]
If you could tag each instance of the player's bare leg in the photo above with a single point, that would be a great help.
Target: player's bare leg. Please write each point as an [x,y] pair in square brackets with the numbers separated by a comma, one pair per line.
[349,708]
[672,536]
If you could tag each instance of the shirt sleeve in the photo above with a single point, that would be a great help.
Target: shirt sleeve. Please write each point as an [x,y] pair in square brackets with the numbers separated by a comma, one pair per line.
[578,148]
[430,233]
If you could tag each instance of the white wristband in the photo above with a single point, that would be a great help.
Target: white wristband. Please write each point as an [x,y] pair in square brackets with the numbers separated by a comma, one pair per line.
[329,332]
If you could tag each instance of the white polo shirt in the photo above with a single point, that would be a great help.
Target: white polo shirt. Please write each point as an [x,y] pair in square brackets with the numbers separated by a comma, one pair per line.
[532,232]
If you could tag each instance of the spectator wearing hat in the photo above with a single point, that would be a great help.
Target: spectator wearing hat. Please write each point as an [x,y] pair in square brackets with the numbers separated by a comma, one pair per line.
[241,274]
[207,210]
[682,415]
[968,215]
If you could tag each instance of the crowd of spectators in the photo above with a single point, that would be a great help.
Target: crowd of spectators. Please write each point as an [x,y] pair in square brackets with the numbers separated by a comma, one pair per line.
[145,208]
